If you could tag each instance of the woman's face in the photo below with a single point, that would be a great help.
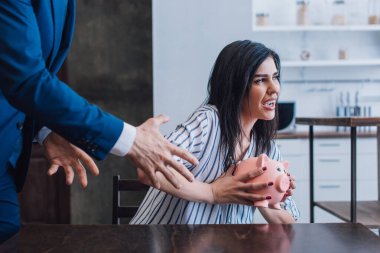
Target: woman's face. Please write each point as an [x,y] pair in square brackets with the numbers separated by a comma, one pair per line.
[262,98]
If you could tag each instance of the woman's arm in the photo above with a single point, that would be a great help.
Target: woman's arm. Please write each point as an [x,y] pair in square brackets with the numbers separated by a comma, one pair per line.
[273,216]
[282,216]
[226,189]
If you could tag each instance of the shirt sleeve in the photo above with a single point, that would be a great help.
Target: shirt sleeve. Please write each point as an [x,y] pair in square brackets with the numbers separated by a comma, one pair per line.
[191,135]
[42,134]
[121,147]
[125,141]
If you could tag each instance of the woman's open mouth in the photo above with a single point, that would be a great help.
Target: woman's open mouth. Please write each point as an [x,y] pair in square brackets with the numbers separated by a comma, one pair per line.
[270,104]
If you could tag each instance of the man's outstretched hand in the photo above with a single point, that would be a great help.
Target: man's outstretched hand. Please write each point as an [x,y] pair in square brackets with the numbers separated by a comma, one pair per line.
[151,152]
[62,153]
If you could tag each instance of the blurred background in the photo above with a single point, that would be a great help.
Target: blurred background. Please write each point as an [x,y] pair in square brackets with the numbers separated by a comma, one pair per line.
[139,58]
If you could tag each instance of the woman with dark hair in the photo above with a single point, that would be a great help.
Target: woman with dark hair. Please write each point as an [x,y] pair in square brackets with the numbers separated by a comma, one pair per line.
[238,121]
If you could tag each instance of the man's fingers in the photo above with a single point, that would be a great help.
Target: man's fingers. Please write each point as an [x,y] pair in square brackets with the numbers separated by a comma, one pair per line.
[180,168]
[53,169]
[90,164]
[184,154]
[160,119]
[69,174]
[152,177]
[82,175]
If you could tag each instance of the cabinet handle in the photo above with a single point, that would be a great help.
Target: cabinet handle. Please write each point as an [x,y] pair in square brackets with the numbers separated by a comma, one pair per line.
[329,160]
[329,186]
[329,144]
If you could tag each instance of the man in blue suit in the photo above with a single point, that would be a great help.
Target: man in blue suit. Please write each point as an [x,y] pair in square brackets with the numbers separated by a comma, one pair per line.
[35,36]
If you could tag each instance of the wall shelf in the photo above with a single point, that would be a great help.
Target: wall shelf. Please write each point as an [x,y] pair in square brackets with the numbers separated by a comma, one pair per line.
[316,28]
[332,63]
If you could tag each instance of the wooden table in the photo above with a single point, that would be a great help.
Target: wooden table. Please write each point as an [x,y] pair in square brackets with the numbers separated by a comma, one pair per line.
[302,238]
[366,212]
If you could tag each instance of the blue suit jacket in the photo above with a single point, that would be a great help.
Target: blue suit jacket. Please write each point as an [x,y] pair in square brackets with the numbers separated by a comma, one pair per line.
[35,36]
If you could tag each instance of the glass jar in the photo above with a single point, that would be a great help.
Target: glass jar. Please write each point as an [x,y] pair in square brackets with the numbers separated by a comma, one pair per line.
[302,12]
[373,12]
[338,12]
[262,19]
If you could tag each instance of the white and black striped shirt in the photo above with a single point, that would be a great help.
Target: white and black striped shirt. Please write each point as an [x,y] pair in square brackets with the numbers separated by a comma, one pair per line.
[200,135]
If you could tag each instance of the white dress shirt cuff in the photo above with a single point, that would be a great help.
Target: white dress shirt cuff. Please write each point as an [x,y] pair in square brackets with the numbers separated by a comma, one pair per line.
[125,141]
[42,134]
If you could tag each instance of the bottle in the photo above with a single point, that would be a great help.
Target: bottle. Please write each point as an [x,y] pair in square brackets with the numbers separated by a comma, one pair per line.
[262,19]
[373,12]
[338,12]
[343,54]
[302,12]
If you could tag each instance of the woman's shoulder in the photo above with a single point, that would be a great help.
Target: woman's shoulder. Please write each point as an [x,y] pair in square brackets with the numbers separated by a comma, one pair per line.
[206,112]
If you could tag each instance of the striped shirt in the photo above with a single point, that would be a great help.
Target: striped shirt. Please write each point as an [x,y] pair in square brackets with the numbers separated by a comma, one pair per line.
[200,135]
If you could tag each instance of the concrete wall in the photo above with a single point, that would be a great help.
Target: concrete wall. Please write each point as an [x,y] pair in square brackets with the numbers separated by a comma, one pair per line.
[110,64]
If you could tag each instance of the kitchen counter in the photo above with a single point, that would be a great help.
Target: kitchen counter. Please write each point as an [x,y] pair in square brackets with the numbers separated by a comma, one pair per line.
[304,135]
[343,122]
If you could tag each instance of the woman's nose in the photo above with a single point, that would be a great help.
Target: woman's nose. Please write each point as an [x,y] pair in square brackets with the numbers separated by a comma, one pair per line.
[274,87]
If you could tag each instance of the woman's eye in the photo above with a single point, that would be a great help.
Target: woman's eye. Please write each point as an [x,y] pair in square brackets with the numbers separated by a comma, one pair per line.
[258,81]
[276,78]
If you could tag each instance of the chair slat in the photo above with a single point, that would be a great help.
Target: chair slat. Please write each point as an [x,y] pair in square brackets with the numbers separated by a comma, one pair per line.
[127,211]
[124,185]
[131,185]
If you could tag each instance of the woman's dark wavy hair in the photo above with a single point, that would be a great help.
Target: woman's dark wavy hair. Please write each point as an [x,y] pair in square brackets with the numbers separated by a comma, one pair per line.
[230,82]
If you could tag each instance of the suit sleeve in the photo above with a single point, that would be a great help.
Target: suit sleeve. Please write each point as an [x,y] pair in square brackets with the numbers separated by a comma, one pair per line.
[32,89]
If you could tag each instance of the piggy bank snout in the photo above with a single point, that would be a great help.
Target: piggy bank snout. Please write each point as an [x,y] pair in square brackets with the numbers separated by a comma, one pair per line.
[282,183]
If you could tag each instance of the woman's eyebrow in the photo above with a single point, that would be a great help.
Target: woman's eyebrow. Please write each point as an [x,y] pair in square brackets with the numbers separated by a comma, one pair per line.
[265,75]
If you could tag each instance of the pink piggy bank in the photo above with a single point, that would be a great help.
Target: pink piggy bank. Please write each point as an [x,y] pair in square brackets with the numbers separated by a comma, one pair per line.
[276,172]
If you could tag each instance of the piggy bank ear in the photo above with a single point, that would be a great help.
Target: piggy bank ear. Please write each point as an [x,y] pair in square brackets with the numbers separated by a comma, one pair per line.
[262,160]
[285,164]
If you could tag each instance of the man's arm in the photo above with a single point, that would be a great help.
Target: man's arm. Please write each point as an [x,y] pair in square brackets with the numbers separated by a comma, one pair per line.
[32,89]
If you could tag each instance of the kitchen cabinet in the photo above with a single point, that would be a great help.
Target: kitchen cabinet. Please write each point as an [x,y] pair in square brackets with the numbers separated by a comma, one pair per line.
[332,172]
[355,199]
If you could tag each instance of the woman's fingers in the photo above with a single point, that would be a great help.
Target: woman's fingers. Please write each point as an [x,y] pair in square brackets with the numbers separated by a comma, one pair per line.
[249,175]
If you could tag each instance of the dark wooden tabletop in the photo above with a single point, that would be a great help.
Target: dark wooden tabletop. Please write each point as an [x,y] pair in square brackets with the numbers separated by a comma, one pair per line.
[345,121]
[303,238]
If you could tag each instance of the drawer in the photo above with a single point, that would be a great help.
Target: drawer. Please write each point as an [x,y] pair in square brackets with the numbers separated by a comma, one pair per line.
[331,146]
[298,166]
[366,167]
[338,167]
[293,146]
[332,190]
[332,167]
[343,146]
[341,190]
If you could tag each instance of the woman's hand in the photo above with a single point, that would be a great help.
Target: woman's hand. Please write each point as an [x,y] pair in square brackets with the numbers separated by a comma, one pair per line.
[292,186]
[235,189]
[62,153]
